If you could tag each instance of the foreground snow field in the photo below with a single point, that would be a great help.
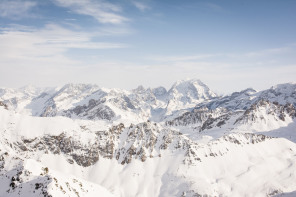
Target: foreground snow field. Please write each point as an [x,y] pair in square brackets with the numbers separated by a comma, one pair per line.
[83,140]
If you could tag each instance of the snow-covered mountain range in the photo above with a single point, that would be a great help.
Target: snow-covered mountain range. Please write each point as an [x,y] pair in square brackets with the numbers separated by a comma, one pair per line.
[84,140]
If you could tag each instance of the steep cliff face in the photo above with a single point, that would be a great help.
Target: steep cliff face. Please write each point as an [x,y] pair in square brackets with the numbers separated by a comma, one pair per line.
[262,115]
[123,144]
[19,177]
[197,116]
[266,111]
[282,94]
[133,153]
[3,105]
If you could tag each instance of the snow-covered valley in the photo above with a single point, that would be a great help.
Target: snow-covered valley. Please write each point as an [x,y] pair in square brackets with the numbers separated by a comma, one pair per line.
[83,140]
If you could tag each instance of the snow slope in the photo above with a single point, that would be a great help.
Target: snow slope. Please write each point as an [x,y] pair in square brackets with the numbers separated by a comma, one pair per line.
[83,140]
[85,101]
[28,177]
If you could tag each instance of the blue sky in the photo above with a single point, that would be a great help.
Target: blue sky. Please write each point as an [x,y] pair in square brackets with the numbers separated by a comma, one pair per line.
[230,45]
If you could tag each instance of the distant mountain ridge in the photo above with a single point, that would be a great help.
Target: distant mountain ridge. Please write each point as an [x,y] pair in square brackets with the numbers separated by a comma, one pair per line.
[84,140]
[92,102]
[77,99]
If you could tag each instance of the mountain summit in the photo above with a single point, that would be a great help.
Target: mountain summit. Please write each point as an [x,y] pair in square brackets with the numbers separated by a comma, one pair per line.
[83,140]
[191,90]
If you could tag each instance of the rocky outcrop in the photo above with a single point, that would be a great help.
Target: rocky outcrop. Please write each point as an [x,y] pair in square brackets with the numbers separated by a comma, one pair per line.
[18,178]
[50,109]
[262,109]
[3,105]
[203,118]
[282,94]
[215,122]
[197,153]
[236,101]
[196,116]
[96,109]
[124,144]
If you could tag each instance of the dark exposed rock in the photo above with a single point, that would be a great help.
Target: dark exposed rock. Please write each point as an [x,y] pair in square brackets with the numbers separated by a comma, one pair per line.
[3,105]
[283,93]
[12,185]
[196,116]
[216,122]
[142,141]
[94,110]
[249,137]
[125,144]
[236,101]
[50,109]
[273,108]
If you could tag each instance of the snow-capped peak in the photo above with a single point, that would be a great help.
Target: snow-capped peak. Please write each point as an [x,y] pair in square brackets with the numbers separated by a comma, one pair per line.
[187,94]
[29,89]
[282,93]
[192,88]
[186,141]
[139,89]
[75,88]
[159,91]
[286,88]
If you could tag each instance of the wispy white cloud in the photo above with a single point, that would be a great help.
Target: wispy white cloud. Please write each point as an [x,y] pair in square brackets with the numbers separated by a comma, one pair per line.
[52,40]
[102,11]
[140,5]
[182,58]
[266,52]
[38,56]
[222,77]
[251,55]
[16,9]
[214,7]
[42,56]
[226,72]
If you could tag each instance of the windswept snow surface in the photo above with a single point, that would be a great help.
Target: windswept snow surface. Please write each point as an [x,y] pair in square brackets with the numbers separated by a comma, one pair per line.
[83,140]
